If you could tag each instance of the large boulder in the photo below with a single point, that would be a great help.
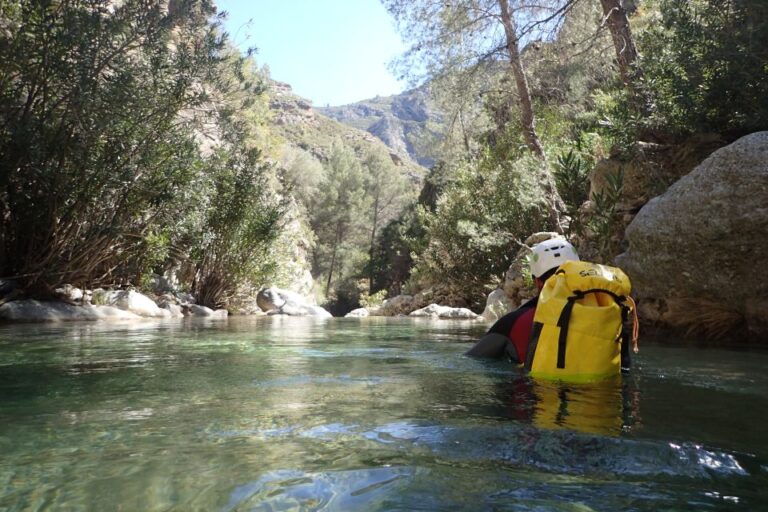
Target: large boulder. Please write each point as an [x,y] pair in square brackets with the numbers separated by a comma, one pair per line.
[358,313]
[700,244]
[497,305]
[276,301]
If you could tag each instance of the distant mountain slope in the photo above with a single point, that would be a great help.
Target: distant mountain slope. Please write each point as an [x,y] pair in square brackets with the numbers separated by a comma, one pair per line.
[408,123]
[304,126]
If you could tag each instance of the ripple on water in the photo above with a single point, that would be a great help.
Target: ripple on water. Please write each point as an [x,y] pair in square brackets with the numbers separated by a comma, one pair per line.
[299,490]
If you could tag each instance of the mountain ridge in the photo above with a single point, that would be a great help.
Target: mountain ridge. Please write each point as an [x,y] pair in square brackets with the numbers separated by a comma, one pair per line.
[409,123]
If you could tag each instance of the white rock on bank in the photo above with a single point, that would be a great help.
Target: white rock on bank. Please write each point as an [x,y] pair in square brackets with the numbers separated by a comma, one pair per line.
[197,310]
[136,303]
[276,301]
[50,311]
[300,310]
[357,313]
[437,311]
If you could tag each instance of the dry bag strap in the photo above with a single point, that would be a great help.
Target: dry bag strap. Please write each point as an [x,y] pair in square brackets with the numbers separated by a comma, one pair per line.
[563,322]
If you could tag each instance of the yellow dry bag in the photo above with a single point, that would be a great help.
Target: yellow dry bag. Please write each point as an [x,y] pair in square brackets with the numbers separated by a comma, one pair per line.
[576,334]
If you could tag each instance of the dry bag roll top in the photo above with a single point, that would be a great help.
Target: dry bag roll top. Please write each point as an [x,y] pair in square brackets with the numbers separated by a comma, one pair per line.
[576,333]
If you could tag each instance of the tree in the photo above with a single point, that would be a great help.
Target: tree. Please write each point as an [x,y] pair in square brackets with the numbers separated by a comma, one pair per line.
[387,190]
[470,37]
[705,65]
[335,213]
[527,119]
[462,37]
[623,42]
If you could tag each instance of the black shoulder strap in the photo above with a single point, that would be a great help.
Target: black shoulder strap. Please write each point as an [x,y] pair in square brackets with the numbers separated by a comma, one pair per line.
[564,323]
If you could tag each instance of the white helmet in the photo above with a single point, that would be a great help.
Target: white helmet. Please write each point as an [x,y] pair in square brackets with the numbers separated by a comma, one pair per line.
[551,254]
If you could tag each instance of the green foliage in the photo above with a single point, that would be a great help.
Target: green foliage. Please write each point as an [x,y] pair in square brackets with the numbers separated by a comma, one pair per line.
[93,154]
[301,173]
[572,179]
[479,222]
[604,222]
[396,246]
[705,64]
[129,137]
[335,216]
[373,300]
[240,227]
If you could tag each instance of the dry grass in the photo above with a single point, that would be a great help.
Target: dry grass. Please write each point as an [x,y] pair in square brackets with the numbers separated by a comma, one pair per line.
[704,318]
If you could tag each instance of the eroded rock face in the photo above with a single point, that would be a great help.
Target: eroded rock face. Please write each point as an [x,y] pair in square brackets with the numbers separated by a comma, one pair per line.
[705,237]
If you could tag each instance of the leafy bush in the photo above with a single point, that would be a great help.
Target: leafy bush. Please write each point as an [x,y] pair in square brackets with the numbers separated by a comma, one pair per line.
[95,157]
[572,178]
[479,223]
[604,222]
[711,71]
[705,64]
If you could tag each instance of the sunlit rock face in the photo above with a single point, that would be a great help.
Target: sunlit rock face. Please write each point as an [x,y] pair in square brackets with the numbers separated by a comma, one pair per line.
[704,239]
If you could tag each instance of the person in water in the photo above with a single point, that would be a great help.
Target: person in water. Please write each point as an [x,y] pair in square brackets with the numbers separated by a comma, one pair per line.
[508,337]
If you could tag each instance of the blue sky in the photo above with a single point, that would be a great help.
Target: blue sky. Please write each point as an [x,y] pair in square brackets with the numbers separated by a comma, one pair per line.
[330,51]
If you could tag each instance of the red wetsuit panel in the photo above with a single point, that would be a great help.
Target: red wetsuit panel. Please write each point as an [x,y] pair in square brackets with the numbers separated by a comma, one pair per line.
[521,332]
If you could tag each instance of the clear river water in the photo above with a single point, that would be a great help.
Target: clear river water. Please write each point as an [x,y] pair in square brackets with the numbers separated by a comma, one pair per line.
[277,413]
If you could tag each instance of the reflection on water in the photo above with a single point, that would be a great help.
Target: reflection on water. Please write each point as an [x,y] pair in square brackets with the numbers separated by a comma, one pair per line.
[376,414]
[606,408]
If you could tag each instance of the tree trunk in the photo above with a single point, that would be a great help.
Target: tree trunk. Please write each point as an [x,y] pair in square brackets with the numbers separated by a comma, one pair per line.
[373,240]
[527,120]
[623,42]
[333,257]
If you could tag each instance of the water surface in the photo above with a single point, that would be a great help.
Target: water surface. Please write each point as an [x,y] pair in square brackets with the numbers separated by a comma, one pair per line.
[374,414]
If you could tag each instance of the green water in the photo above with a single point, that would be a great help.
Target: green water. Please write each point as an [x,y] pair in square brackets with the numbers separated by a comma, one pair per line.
[374,414]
